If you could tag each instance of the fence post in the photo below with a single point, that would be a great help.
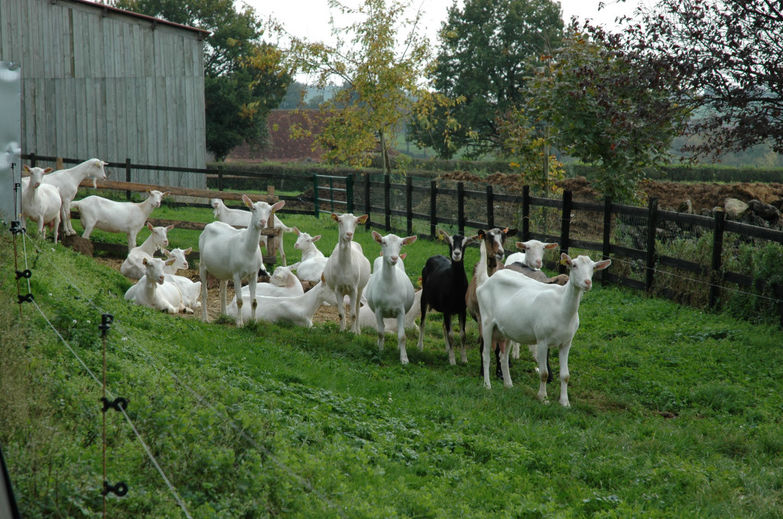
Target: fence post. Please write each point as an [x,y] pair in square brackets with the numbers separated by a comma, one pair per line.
[349,192]
[607,246]
[717,249]
[387,201]
[409,204]
[461,207]
[525,213]
[220,178]
[490,207]
[565,226]
[652,223]
[127,177]
[433,207]
[32,160]
[367,202]
[315,195]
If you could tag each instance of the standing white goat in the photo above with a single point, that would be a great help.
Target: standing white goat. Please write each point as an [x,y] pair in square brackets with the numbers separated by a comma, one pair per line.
[133,266]
[67,183]
[108,215]
[347,269]
[389,290]
[41,202]
[524,310]
[241,218]
[230,253]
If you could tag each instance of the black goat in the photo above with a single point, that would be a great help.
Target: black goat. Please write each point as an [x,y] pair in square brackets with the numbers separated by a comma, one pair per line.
[444,283]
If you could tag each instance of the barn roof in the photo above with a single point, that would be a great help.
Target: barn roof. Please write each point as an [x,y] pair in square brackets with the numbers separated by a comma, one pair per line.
[109,9]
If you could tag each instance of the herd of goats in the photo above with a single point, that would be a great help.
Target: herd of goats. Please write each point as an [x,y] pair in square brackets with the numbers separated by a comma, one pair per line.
[511,299]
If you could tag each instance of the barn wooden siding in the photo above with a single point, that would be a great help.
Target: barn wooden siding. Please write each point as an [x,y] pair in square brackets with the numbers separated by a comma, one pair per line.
[100,82]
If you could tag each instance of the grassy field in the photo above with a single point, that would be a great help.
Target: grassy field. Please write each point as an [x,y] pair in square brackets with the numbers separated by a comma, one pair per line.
[675,412]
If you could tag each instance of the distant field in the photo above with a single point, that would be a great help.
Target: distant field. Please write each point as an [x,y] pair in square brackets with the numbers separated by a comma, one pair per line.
[676,412]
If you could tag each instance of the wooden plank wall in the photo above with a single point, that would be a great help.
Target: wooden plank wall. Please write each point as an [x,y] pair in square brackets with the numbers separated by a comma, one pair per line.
[103,84]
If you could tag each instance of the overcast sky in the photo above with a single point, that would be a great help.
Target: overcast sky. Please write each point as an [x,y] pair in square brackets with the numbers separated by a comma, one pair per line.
[310,18]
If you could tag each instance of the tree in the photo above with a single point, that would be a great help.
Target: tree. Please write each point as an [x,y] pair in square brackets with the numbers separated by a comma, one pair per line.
[727,53]
[606,107]
[380,72]
[484,49]
[244,77]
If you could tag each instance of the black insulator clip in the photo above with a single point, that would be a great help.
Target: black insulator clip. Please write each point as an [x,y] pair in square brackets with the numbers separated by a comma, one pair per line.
[106,322]
[118,404]
[16,227]
[120,489]
[26,299]
[27,274]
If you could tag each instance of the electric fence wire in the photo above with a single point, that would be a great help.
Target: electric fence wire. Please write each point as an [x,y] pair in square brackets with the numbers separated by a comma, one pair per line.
[97,381]
[209,405]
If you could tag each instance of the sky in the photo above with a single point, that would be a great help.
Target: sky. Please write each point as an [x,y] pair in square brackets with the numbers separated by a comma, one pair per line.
[310,18]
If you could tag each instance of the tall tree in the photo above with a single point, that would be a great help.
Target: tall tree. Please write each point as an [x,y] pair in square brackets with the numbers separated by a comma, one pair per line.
[484,49]
[380,59]
[727,53]
[607,107]
[244,77]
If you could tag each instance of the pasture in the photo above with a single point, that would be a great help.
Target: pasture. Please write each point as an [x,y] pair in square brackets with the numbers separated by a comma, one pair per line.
[675,412]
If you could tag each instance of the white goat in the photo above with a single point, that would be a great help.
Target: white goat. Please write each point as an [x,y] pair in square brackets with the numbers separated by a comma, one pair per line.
[367,317]
[180,261]
[298,310]
[282,283]
[154,291]
[313,261]
[230,253]
[390,291]
[516,307]
[347,269]
[108,215]
[133,266]
[41,202]
[67,182]
[241,218]
[532,254]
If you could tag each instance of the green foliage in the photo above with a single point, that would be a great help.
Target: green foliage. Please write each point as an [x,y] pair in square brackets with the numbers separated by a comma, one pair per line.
[675,412]
[480,72]
[244,77]
[606,109]
[379,80]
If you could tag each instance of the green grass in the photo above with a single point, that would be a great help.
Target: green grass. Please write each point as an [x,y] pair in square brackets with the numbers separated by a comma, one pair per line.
[676,412]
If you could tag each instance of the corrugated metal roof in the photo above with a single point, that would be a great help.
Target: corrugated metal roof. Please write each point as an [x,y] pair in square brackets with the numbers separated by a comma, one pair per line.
[151,19]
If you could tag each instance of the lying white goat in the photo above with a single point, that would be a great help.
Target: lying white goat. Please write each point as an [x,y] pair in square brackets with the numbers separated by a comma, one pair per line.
[524,310]
[133,266]
[190,290]
[230,253]
[298,310]
[241,218]
[100,213]
[67,182]
[313,261]
[41,202]
[154,291]
[389,290]
[282,283]
[180,261]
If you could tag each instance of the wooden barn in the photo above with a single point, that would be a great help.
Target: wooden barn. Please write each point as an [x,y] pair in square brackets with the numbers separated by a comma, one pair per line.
[103,82]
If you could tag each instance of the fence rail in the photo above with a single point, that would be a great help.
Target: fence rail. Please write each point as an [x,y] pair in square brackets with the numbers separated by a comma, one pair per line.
[431,203]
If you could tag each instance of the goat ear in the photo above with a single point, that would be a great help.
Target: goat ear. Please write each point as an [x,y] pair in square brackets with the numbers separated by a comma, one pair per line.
[171,261]
[149,226]
[377,237]
[442,235]
[188,250]
[316,237]
[565,259]
[47,170]
[297,231]
[169,227]
[509,232]
[144,262]
[600,265]
[335,217]
[470,240]
[551,245]
[246,200]
[279,205]
[166,252]
[521,245]
[481,234]
[26,167]
[165,194]
[362,218]
[409,239]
